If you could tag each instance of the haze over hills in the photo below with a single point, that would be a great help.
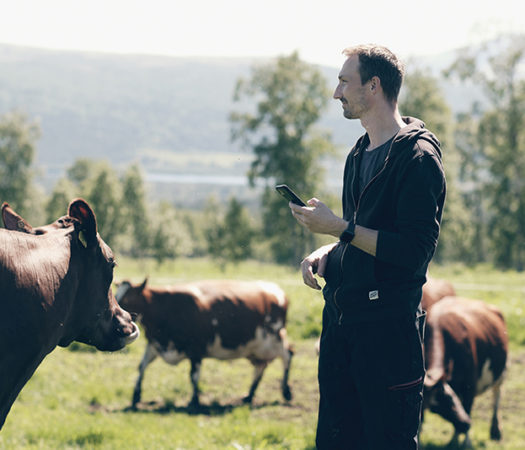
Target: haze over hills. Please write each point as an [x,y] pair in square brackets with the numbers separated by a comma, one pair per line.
[168,113]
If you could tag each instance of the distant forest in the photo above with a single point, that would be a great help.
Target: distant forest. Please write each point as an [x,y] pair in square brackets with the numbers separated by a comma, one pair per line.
[151,110]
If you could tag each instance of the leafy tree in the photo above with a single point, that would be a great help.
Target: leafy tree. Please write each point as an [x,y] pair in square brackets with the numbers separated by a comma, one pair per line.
[500,139]
[104,193]
[63,192]
[423,98]
[230,237]
[471,175]
[98,183]
[289,97]
[134,211]
[18,136]
[171,238]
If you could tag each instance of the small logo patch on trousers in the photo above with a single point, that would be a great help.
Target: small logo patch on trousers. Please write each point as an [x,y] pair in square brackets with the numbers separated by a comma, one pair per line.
[373,295]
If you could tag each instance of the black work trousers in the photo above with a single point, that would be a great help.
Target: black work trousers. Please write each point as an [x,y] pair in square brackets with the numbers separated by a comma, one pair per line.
[371,383]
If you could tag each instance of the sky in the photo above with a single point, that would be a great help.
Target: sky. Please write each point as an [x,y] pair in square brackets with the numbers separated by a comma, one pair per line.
[317,29]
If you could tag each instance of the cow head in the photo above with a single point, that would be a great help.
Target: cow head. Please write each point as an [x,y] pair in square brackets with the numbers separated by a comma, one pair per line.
[95,317]
[441,399]
[130,296]
[103,323]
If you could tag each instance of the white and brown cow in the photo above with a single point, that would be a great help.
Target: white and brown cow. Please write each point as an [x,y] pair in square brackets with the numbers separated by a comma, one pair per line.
[211,319]
[55,288]
[434,290]
[466,347]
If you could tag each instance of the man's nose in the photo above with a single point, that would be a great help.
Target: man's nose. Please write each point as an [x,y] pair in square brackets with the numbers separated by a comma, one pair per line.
[337,93]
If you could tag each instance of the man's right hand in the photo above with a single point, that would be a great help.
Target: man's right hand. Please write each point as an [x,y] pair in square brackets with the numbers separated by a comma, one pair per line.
[315,263]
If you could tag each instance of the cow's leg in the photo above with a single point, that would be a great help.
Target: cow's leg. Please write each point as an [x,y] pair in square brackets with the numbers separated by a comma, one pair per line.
[287,361]
[149,355]
[495,431]
[259,367]
[195,373]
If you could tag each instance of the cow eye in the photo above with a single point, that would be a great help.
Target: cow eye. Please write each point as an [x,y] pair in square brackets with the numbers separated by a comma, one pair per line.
[112,263]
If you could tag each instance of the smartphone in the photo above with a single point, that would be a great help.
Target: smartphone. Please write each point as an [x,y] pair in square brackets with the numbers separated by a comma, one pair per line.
[289,195]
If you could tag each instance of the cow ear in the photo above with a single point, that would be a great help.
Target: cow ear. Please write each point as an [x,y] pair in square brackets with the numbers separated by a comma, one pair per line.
[87,223]
[12,221]
[143,285]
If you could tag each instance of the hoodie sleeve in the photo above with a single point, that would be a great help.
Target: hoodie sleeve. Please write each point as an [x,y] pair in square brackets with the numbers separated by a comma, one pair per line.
[419,209]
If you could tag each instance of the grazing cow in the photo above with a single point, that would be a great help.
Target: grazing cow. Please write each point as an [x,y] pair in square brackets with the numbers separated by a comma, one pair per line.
[56,288]
[211,319]
[434,290]
[466,353]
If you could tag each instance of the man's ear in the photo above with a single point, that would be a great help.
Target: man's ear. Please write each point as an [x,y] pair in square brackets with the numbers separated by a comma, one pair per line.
[375,83]
[87,222]
[12,221]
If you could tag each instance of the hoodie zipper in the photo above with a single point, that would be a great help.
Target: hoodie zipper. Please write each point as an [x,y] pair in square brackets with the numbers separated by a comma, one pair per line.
[356,207]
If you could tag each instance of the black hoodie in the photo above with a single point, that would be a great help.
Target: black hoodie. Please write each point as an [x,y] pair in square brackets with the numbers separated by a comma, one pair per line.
[404,202]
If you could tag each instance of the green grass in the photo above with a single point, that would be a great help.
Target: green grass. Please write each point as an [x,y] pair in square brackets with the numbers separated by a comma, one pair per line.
[80,399]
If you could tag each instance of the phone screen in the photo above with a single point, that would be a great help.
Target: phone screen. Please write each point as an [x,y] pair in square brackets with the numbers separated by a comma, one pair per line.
[289,195]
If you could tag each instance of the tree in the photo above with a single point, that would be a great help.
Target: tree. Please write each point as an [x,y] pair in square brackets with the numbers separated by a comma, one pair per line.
[289,97]
[18,136]
[230,237]
[422,97]
[98,183]
[63,192]
[500,138]
[134,211]
[171,237]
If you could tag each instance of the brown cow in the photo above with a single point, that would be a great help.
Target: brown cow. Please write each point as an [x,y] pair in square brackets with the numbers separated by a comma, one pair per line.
[434,290]
[211,319]
[56,288]
[466,353]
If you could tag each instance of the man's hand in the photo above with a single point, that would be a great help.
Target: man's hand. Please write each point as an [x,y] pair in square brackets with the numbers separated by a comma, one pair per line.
[318,218]
[315,263]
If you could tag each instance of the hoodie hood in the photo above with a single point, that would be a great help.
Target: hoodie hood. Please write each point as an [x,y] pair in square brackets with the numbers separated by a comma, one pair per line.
[406,137]
[414,131]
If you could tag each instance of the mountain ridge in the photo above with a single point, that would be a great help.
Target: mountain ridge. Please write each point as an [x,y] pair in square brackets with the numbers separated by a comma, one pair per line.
[128,108]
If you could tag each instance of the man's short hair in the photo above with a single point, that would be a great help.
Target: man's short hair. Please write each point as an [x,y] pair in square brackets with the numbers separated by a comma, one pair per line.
[376,60]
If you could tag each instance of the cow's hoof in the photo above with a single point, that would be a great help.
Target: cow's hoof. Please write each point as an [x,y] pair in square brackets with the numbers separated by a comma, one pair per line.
[247,400]
[135,400]
[495,434]
[194,405]
[287,394]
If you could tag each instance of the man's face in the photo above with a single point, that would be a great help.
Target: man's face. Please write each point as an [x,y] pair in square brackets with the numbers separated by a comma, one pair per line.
[350,91]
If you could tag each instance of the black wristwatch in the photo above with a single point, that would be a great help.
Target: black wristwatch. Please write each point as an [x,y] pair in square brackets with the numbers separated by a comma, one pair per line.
[349,233]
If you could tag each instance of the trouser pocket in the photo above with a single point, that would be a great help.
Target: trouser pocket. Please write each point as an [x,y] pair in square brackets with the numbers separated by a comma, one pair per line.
[403,409]
[404,382]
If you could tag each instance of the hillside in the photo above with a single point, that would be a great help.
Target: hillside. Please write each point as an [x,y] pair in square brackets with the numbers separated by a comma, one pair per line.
[170,114]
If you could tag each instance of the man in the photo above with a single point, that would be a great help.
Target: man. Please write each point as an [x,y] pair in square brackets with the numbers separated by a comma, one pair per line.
[370,363]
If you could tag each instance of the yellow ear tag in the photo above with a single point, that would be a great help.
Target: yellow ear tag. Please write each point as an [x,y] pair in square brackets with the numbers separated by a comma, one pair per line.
[82,239]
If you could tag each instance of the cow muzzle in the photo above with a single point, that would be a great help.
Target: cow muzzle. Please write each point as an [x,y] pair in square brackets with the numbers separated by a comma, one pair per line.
[135,333]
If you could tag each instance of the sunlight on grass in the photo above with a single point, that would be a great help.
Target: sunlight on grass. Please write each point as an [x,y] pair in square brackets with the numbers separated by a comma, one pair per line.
[79,398]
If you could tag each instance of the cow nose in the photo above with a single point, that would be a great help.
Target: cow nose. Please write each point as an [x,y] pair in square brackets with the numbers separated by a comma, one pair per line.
[125,326]
[134,334]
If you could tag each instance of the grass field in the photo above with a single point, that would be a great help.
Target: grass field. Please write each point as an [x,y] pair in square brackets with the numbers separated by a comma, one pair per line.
[79,398]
